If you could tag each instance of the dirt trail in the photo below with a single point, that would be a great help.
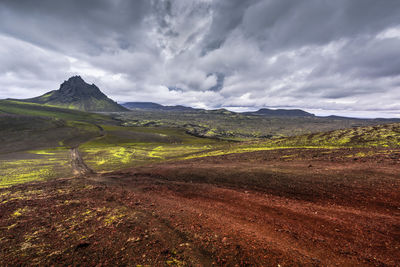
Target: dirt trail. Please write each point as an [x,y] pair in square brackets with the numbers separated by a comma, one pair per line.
[101,129]
[78,165]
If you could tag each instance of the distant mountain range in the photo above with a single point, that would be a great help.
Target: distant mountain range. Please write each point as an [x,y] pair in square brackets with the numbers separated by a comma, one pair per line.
[75,93]
[261,112]
[155,106]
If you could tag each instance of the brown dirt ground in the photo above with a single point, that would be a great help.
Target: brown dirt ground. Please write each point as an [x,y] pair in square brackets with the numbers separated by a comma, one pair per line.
[291,207]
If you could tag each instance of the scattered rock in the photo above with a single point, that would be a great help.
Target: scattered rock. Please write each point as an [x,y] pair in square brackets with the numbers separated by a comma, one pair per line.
[82,245]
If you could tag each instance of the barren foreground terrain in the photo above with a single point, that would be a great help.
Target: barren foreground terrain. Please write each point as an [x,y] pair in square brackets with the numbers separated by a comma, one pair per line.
[315,207]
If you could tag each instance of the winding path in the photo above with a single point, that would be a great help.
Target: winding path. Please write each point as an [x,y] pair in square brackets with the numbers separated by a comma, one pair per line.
[79,167]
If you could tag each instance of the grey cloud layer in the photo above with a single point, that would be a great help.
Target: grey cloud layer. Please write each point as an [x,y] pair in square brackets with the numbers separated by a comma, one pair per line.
[316,54]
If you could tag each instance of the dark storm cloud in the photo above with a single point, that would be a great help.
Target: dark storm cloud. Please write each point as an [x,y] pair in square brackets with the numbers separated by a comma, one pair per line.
[371,58]
[228,15]
[90,26]
[291,23]
[315,54]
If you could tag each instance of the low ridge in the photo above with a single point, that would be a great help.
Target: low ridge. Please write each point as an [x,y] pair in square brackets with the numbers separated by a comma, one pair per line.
[155,106]
[281,112]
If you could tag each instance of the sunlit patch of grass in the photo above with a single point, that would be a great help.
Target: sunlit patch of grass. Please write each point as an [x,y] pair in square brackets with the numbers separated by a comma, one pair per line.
[242,148]
[175,262]
[123,147]
[42,152]
[72,201]
[113,218]
[100,161]
[288,156]
[20,195]
[153,153]
[126,155]
[5,193]
[28,174]
[19,212]
[371,136]
[12,226]
[39,165]
[123,155]
[362,154]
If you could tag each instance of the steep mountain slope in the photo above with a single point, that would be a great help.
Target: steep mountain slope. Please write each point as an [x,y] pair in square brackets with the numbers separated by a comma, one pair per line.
[77,94]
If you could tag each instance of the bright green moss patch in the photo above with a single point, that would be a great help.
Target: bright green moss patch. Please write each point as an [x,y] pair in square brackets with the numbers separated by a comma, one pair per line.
[35,166]
[155,152]
[123,147]
[113,218]
[49,152]
[175,262]
[5,193]
[362,154]
[128,155]
[20,195]
[28,174]
[372,136]
[19,212]
[42,152]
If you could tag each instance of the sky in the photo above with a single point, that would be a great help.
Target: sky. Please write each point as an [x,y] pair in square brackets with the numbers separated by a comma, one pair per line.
[328,57]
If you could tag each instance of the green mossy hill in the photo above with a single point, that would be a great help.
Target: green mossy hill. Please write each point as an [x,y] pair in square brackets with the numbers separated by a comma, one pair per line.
[387,135]
[27,126]
[75,93]
[12,107]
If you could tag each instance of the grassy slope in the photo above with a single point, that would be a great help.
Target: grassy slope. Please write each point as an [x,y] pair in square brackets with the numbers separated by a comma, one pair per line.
[387,135]
[35,140]
[239,126]
[31,109]
[43,137]
[118,150]
[131,146]
[379,136]
[32,126]
[38,138]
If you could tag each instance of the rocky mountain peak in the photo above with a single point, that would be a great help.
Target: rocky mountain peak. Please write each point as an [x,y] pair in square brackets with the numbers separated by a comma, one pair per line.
[77,87]
[75,80]
[75,93]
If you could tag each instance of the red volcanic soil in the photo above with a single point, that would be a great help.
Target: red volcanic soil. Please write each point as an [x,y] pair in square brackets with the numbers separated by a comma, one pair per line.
[272,208]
